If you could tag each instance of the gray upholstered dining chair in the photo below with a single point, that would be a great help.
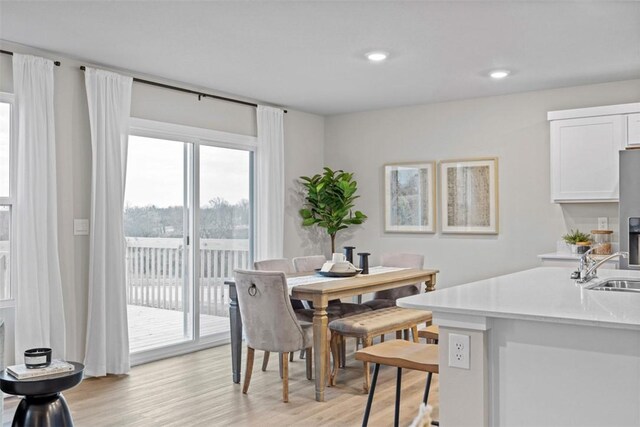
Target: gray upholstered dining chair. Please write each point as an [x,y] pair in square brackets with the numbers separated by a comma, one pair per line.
[387,298]
[278,264]
[308,263]
[270,324]
[285,266]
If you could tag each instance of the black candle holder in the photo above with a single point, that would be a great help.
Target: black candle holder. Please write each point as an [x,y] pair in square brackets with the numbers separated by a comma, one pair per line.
[348,253]
[364,262]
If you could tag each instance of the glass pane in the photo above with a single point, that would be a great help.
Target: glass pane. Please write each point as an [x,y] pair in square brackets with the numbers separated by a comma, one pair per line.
[155,222]
[5,223]
[5,137]
[225,221]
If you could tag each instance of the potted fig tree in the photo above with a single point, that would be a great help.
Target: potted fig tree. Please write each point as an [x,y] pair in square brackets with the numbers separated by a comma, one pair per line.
[329,202]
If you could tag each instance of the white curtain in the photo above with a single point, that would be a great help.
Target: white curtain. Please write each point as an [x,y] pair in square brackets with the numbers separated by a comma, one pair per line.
[39,306]
[109,99]
[270,184]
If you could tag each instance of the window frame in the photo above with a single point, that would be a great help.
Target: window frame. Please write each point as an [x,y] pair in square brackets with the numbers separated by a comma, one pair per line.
[9,201]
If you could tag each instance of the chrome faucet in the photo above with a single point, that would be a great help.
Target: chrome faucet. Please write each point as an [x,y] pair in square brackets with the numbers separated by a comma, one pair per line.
[589,266]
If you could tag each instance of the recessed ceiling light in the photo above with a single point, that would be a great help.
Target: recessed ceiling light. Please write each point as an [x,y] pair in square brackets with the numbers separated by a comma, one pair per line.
[499,74]
[377,56]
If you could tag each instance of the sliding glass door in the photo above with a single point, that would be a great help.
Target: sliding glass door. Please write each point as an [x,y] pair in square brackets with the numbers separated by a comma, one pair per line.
[224,228]
[156,225]
[178,258]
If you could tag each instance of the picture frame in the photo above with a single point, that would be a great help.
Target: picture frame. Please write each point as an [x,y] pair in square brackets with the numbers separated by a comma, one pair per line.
[469,196]
[410,197]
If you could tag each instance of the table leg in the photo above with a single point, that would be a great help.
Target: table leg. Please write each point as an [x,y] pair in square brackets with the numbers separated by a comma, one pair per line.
[320,346]
[431,284]
[235,321]
[47,410]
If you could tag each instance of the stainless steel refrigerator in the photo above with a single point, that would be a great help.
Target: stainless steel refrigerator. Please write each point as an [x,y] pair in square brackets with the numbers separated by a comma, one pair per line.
[630,208]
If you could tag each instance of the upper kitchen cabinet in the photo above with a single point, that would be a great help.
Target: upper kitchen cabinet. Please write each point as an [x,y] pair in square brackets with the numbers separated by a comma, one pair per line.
[584,151]
[633,130]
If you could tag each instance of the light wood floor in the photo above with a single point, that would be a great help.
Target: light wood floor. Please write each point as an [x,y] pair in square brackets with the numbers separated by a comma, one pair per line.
[196,390]
[152,327]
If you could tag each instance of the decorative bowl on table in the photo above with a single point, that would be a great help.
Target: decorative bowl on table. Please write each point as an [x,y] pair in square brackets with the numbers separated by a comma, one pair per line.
[338,269]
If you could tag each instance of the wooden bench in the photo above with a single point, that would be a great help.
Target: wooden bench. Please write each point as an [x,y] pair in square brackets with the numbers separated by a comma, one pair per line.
[366,326]
[431,333]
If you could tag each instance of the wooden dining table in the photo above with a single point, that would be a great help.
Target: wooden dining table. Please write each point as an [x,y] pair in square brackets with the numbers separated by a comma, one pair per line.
[320,293]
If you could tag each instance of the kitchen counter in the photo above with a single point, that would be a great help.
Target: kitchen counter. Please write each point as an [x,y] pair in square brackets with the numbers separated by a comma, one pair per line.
[541,294]
[543,350]
[568,256]
[567,259]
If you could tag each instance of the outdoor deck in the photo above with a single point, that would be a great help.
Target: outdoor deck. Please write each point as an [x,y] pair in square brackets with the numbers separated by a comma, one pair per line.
[154,327]
[156,288]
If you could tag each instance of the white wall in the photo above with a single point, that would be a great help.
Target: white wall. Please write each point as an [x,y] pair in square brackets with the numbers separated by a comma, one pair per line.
[513,128]
[304,154]
[304,137]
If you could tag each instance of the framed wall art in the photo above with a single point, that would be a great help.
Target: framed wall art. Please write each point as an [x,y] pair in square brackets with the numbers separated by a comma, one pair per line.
[410,197]
[469,196]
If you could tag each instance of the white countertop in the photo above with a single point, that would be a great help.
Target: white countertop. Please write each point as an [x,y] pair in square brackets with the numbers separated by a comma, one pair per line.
[542,294]
[568,256]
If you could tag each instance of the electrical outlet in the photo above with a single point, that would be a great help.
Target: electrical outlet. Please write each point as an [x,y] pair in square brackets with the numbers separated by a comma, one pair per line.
[80,227]
[603,223]
[459,351]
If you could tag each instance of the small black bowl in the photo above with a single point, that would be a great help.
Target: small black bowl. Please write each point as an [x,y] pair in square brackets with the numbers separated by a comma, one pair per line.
[37,358]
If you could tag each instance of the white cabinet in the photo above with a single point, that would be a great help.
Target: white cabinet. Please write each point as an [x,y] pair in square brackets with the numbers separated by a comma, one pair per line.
[584,150]
[633,130]
[584,158]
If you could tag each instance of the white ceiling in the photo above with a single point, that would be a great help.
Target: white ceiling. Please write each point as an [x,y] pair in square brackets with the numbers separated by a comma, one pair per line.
[308,55]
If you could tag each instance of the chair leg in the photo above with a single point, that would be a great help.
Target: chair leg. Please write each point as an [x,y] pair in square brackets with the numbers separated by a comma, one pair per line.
[367,375]
[302,354]
[406,334]
[343,352]
[396,417]
[265,361]
[399,335]
[335,353]
[249,368]
[291,357]
[426,390]
[285,377]
[414,333]
[367,410]
[382,338]
[309,359]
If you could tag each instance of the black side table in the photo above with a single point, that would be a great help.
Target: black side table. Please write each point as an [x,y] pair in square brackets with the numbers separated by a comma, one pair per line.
[43,405]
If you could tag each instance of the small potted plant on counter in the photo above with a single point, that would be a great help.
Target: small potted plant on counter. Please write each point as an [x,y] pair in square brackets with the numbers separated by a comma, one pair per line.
[578,241]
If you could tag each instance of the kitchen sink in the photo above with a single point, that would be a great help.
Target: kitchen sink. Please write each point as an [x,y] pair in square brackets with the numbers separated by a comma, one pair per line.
[620,285]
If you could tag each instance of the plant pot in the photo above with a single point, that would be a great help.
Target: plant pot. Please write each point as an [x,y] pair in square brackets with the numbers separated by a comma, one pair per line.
[580,247]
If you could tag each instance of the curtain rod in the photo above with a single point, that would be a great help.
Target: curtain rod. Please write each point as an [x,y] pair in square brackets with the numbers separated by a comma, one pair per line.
[6,52]
[181,89]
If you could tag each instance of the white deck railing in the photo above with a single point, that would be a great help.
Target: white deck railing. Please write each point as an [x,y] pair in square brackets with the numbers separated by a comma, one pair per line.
[155,272]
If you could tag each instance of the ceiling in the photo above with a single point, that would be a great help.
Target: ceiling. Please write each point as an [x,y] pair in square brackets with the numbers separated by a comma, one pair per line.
[308,55]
